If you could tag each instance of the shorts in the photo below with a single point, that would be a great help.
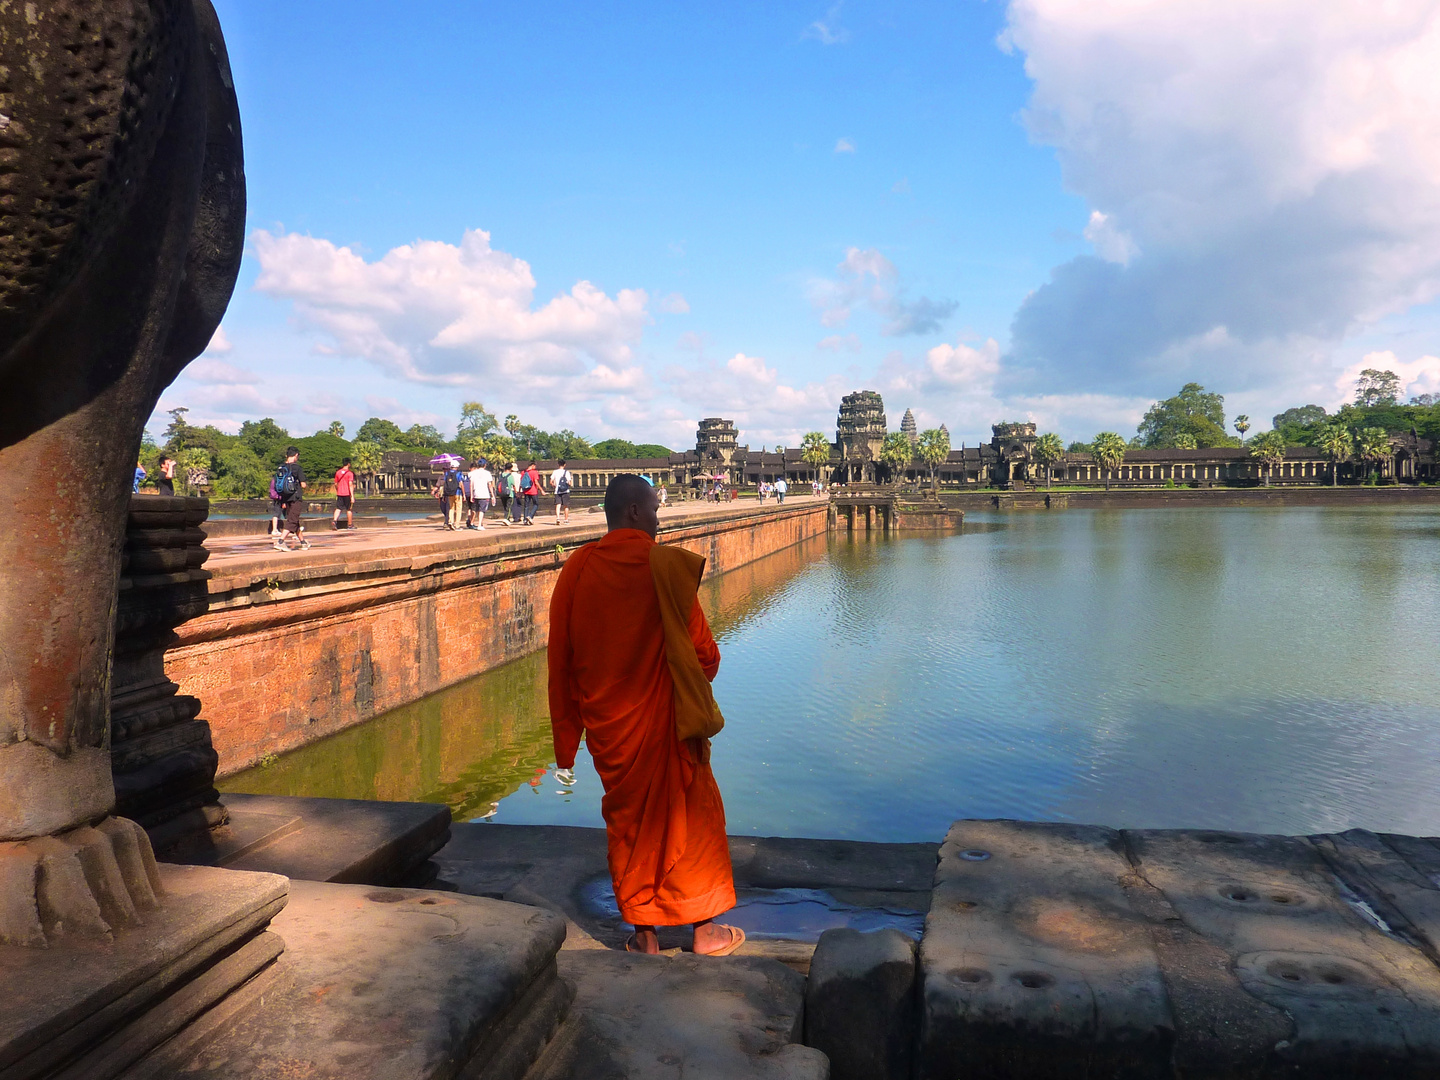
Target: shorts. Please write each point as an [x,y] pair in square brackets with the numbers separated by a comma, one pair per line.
[292,516]
[277,508]
[480,505]
[562,501]
[344,502]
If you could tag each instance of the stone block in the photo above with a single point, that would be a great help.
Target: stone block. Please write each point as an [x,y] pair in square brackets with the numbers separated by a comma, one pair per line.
[393,984]
[1033,962]
[1360,998]
[860,1003]
[700,1018]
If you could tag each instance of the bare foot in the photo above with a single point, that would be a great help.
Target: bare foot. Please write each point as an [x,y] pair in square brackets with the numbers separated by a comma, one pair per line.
[717,939]
[644,940]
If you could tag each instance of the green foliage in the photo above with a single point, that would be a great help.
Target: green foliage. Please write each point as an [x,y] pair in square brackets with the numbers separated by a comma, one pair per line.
[321,454]
[475,419]
[1372,445]
[239,474]
[1242,425]
[1185,441]
[1048,450]
[1300,424]
[366,459]
[337,429]
[385,434]
[266,439]
[1108,450]
[1078,447]
[815,449]
[1334,441]
[1193,411]
[619,449]
[1376,387]
[932,448]
[895,452]
[1269,448]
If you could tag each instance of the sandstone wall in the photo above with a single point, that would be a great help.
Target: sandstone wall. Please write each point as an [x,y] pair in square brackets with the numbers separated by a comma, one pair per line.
[291,651]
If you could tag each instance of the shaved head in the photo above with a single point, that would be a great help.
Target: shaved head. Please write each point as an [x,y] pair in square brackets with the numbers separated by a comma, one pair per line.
[631,503]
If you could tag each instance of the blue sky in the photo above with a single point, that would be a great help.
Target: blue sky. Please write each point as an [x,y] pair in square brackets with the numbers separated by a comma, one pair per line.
[1050,209]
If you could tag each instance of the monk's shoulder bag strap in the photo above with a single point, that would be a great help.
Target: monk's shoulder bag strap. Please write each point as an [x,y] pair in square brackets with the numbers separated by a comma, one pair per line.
[676,573]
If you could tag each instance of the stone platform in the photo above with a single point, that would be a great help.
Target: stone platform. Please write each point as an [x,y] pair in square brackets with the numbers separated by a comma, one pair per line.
[343,841]
[386,984]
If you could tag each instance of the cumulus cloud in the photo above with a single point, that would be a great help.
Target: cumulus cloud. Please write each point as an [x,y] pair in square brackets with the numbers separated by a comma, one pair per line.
[844,146]
[1419,376]
[448,315]
[839,343]
[673,304]
[768,409]
[1266,172]
[219,343]
[865,276]
[827,30]
[210,372]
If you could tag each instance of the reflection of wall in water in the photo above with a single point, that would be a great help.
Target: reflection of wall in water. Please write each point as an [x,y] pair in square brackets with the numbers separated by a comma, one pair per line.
[467,746]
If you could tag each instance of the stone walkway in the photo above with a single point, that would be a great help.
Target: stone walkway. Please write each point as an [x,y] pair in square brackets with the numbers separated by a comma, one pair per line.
[227,552]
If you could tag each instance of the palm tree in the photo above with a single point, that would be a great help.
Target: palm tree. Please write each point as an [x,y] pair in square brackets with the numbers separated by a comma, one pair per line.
[895,453]
[1242,425]
[366,457]
[1335,443]
[1048,450]
[1269,448]
[933,447]
[815,450]
[1373,446]
[1108,450]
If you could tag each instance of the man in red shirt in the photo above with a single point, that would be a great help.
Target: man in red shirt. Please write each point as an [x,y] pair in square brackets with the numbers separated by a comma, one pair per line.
[344,496]
[531,488]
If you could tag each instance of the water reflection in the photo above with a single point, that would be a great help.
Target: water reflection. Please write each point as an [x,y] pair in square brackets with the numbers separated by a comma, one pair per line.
[1266,670]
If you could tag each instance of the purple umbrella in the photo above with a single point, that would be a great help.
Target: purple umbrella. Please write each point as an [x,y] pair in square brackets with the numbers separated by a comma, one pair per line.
[446,459]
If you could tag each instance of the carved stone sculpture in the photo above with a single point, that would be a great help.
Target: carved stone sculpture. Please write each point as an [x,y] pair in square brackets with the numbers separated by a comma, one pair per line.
[122,209]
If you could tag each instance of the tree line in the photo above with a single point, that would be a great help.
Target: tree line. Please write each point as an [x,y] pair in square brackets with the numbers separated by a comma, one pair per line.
[240,466]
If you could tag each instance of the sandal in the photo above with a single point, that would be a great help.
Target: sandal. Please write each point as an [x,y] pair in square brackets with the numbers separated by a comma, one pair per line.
[737,938]
[630,941]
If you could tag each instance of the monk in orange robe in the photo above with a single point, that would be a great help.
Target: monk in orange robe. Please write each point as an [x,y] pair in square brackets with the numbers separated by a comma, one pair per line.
[613,681]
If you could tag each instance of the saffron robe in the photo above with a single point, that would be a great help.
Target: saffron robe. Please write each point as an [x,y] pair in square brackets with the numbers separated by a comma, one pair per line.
[610,682]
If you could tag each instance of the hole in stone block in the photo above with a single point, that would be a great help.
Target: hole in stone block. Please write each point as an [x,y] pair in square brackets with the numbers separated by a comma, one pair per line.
[974,855]
[972,976]
[385,896]
[1034,980]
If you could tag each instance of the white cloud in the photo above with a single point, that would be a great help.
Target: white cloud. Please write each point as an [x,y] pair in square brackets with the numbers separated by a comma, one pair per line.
[210,372]
[1110,243]
[866,276]
[447,315]
[1419,376]
[844,146]
[839,343]
[828,30]
[673,304]
[219,343]
[1270,171]
[768,409]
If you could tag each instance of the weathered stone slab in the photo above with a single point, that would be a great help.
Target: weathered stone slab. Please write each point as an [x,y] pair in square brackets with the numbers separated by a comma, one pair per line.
[397,984]
[1407,900]
[61,1001]
[344,841]
[700,1018]
[1362,1001]
[860,1004]
[1034,964]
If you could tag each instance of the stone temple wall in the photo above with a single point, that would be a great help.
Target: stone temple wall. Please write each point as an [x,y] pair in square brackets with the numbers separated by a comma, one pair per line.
[290,652]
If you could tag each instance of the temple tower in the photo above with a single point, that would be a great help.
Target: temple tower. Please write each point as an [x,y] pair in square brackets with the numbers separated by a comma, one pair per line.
[1014,445]
[859,433]
[908,428]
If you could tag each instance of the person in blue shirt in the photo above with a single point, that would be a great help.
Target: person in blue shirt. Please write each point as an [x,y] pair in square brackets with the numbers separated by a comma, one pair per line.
[140,474]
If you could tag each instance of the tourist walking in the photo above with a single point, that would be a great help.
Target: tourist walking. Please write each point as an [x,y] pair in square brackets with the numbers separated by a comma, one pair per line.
[140,475]
[344,496]
[277,511]
[781,486]
[530,490]
[631,658]
[482,490]
[450,490]
[165,482]
[560,484]
[512,488]
[289,486]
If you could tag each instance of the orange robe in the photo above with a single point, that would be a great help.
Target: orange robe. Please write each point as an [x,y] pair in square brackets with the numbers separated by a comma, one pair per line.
[610,681]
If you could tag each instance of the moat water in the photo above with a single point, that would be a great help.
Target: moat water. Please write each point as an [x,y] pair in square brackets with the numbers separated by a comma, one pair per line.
[1252,669]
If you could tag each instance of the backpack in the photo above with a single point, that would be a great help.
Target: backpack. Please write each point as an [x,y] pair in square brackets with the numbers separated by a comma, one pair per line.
[527,483]
[285,485]
[562,486]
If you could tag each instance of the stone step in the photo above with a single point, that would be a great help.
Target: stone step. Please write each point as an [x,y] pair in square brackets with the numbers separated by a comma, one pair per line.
[388,984]
[701,1018]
